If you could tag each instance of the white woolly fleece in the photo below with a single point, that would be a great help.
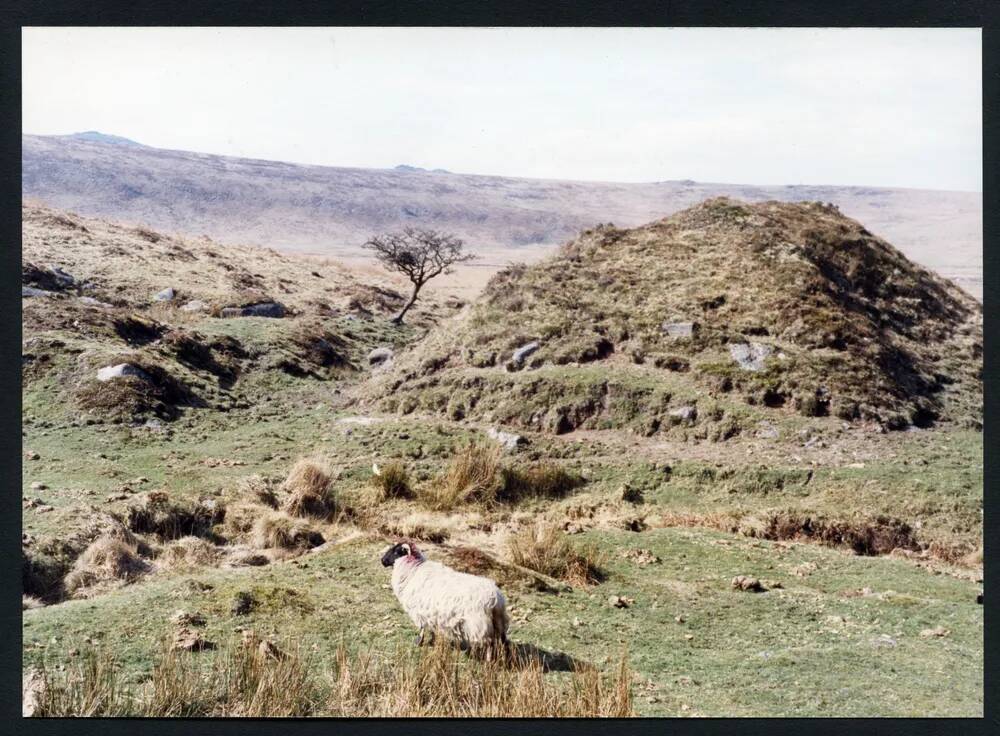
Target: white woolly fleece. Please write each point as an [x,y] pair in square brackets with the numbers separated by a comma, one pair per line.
[438,598]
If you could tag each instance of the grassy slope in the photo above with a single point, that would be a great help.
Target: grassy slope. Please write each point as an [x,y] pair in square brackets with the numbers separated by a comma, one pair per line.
[825,658]
[774,653]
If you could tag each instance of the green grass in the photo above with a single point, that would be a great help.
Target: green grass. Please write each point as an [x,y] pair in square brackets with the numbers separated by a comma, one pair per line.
[776,653]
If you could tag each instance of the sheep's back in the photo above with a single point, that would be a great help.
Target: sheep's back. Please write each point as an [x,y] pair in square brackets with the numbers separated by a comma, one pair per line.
[439,597]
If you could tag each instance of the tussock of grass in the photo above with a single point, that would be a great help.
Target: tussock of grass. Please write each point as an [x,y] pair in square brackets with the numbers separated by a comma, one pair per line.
[308,486]
[105,560]
[188,553]
[473,475]
[240,518]
[278,530]
[155,513]
[250,680]
[30,602]
[546,549]
[393,481]
[545,480]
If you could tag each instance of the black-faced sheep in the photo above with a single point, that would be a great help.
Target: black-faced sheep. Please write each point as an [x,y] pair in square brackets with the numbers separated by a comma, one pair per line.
[437,598]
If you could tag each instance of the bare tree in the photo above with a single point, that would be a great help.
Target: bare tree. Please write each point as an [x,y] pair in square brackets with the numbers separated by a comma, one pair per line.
[420,255]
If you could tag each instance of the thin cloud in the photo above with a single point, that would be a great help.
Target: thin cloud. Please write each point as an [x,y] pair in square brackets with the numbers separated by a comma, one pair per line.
[891,107]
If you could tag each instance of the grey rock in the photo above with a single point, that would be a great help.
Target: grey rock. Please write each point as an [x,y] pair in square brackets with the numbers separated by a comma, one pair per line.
[884,640]
[767,431]
[686,414]
[92,302]
[522,353]
[29,291]
[195,305]
[63,279]
[380,356]
[33,691]
[508,440]
[167,295]
[676,330]
[750,356]
[110,372]
[275,310]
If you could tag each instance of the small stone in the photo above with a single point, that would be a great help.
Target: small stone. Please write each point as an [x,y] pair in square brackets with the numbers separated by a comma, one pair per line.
[31,291]
[750,356]
[195,305]
[121,370]
[747,583]
[166,295]
[521,354]
[274,310]
[184,618]
[38,486]
[508,440]
[677,330]
[685,414]
[620,601]
[31,455]
[189,641]
[641,557]
[937,631]
[380,356]
[32,692]
[679,619]
[689,637]
[92,302]
[767,431]
[884,641]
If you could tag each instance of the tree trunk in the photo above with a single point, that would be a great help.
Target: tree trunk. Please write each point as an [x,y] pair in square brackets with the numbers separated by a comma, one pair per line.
[398,319]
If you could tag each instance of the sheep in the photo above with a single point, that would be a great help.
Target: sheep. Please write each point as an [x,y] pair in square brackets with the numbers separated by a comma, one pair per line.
[437,598]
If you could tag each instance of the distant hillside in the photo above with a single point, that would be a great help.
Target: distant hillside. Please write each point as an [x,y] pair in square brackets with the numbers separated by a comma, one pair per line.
[333,210]
[724,319]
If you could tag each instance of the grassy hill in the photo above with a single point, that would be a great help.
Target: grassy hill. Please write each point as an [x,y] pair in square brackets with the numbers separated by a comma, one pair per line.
[707,323]
[332,210]
[216,519]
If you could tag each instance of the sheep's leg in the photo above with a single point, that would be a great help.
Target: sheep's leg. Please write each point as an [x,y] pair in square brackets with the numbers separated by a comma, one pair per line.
[420,638]
[433,635]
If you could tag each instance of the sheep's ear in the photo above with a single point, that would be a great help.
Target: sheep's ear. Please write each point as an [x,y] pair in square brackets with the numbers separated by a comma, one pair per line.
[406,549]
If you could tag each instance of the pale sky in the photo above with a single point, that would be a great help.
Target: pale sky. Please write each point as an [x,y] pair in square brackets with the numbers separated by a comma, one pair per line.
[879,107]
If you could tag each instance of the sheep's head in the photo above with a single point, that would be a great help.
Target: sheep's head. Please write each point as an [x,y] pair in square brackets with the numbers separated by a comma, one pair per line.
[403,549]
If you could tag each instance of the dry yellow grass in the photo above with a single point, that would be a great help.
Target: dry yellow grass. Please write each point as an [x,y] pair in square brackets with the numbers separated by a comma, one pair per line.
[308,486]
[262,679]
[545,548]
[473,475]
[106,560]
[278,530]
[240,518]
[188,553]
[544,480]
[393,481]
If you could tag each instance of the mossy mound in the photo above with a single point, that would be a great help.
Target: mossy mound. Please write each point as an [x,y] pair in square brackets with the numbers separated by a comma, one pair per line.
[722,312]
